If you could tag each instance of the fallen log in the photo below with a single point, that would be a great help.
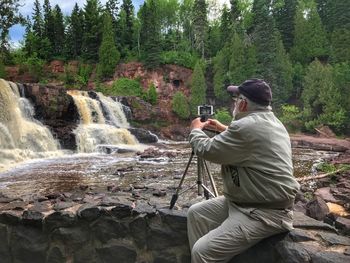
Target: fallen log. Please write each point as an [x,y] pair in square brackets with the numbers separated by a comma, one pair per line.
[312,177]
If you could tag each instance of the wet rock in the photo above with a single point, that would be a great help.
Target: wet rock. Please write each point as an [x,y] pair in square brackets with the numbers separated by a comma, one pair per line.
[117,253]
[317,208]
[164,257]
[158,237]
[143,136]
[106,228]
[53,195]
[343,224]
[11,217]
[175,219]
[28,244]
[89,212]
[60,219]
[138,230]
[73,237]
[33,218]
[122,210]
[159,192]
[4,245]
[56,255]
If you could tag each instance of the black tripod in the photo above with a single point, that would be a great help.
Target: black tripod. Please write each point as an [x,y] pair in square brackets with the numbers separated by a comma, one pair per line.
[201,179]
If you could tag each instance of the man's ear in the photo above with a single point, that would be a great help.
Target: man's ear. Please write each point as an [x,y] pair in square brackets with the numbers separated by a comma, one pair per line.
[243,106]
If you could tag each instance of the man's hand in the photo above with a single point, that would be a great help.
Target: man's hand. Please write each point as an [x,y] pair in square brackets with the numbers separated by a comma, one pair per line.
[197,124]
[215,125]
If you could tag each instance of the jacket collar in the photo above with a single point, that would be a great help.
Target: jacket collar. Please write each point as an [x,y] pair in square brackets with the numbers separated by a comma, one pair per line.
[241,115]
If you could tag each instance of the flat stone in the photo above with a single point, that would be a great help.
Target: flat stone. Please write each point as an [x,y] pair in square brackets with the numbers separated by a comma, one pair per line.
[298,235]
[329,257]
[343,224]
[326,195]
[44,206]
[144,208]
[303,221]
[334,239]
[175,219]
[109,201]
[159,192]
[63,205]
[16,205]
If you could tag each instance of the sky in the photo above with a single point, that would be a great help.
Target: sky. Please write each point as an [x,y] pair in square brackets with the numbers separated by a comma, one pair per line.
[17,31]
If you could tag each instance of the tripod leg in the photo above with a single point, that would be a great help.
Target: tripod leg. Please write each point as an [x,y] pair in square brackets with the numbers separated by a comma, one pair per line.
[211,179]
[176,195]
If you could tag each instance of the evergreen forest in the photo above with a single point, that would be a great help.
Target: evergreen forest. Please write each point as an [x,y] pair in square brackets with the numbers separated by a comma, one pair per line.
[300,47]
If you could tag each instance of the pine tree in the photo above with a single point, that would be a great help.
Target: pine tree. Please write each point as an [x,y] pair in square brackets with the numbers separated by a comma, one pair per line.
[108,53]
[341,79]
[225,26]
[198,88]
[75,30]
[92,30]
[127,34]
[221,80]
[284,15]
[310,40]
[200,25]
[150,34]
[49,26]
[321,98]
[272,61]
[38,23]
[180,105]
[59,31]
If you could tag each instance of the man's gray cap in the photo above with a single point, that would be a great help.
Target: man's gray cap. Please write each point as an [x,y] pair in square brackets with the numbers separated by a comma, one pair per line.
[257,90]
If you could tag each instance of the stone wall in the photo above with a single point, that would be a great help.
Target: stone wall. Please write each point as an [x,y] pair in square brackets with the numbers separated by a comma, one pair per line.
[117,233]
[115,230]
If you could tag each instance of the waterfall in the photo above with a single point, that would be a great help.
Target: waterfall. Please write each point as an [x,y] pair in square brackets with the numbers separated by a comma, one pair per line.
[102,122]
[21,136]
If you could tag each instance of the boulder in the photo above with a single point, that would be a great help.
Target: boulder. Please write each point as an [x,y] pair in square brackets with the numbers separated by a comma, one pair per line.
[143,136]
[317,208]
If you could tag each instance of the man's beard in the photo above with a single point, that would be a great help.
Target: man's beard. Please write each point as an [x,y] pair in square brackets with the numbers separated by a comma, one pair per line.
[235,111]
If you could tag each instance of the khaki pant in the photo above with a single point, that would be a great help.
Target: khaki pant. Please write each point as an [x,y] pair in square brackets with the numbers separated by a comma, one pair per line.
[218,230]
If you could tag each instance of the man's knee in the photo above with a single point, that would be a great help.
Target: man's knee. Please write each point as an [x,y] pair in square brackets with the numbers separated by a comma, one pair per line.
[199,253]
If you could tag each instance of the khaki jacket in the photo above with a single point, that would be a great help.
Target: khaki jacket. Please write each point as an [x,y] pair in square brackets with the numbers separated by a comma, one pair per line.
[256,158]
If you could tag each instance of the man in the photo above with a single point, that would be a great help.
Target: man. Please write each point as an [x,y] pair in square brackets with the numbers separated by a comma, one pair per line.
[259,187]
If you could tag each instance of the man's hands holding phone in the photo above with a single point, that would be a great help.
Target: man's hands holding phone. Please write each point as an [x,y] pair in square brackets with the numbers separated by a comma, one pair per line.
[210,124]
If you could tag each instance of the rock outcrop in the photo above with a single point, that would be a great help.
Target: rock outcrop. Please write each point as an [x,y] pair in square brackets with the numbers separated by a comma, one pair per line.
[55,109]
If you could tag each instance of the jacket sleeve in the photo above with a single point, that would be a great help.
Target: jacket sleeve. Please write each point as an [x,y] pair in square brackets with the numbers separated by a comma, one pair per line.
[228,147]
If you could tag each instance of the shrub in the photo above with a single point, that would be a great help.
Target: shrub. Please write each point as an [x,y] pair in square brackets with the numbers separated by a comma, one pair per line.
[181,58]
[84,73]
[290,117]
[125,87]
[151,95]
[223,116]
[35,66]
[180,105]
